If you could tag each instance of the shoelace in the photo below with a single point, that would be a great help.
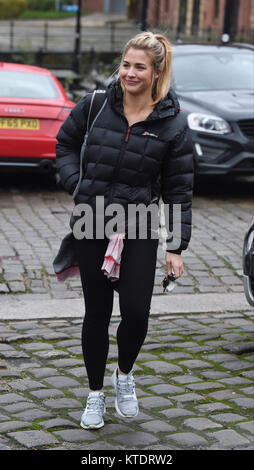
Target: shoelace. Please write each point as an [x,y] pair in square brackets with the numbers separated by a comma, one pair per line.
[126,389]
[95,404]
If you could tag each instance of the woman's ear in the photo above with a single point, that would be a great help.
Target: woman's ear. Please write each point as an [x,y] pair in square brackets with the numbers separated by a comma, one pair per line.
[157,73]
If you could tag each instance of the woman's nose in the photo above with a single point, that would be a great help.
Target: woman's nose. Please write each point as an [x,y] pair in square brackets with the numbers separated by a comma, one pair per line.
[131,72]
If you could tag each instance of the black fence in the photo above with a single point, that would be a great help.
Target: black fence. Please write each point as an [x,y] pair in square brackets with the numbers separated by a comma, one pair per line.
[44,36]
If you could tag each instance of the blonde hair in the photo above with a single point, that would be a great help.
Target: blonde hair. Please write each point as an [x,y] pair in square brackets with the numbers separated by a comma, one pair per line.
[159,48]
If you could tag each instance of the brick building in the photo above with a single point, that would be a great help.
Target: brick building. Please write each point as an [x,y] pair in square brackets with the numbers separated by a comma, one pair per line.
[192,16]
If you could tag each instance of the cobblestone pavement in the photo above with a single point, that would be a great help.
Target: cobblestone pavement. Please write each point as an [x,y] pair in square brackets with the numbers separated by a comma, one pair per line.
[194,375]
[194,381]
[33,222]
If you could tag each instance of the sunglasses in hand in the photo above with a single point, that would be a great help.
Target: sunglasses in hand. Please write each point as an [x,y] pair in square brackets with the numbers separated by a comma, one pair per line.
[168,282]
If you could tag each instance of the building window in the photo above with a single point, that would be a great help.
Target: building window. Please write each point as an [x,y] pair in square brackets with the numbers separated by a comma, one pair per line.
[166,7]
[195,17]
[216,9]
[182,16]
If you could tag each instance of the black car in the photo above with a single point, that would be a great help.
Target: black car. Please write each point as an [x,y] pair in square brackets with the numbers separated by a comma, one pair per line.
[248,264]
[215,88]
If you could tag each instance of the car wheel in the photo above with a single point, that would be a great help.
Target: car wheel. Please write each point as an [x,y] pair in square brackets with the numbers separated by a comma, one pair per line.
[248,265]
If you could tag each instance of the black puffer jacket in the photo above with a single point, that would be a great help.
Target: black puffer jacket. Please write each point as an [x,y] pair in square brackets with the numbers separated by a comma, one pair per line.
[136,164]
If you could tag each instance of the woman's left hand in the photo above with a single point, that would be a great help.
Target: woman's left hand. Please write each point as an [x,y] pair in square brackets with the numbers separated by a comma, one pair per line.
[174,262]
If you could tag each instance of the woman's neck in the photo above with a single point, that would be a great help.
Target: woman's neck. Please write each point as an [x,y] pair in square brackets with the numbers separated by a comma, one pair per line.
[138,103]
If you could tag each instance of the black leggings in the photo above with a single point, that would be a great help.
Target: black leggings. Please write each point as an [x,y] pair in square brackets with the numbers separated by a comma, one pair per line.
[135,287]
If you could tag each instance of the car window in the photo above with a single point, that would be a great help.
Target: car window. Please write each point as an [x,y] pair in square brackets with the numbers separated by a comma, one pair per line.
[27,85]
[221,71]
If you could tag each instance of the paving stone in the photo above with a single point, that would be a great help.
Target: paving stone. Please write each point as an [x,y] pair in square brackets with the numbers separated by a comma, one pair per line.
[31,414]
[176,412]
[166,388]
[50,354]
[209,407]
[47,393]
[25,384]
[245,403]
[36,346]
[20,406]
[135,439]
[235,381]
[224,395]
[162,367]
[188,439]
[3,417]
[148,380]
[10,398]
[57,423]
[13,425]
[68,342]
[6,373]
[63,403]
[248,390]
[13,354]
[154,402]
[219,357]
[237,365]
[228,438]
[43,372]
[249,374]
[74,435]
[228,417]
[183,379]
[33,438]
[215,374]
[61,381]
[156,426]
[195,364]
[248,426]
[175,355]
[114,428]
[187,397]
[25,325]
[199,424]
[81,392]
[204,386]
[78,372]
[67,362]
[242,348]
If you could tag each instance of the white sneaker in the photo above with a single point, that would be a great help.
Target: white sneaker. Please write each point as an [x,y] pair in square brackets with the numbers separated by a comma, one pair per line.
[126,402]
[92,418]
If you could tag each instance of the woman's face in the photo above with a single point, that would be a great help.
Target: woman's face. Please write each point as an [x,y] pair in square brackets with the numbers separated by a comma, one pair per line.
[136,72]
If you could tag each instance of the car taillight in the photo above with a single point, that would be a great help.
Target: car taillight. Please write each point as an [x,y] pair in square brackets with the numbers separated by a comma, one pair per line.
[64,113]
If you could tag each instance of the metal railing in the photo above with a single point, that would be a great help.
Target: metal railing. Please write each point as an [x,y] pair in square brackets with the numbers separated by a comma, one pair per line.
[19,36]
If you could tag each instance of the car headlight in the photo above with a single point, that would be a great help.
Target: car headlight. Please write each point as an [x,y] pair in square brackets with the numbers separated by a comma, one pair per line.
[208,123]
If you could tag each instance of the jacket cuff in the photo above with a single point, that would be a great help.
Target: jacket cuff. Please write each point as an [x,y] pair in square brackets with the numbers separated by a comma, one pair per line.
[176,252]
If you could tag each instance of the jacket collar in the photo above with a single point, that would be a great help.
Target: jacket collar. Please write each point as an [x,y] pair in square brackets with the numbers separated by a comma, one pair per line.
[168,106]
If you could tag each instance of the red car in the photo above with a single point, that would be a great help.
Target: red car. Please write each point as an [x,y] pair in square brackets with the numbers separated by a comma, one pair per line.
[33,106]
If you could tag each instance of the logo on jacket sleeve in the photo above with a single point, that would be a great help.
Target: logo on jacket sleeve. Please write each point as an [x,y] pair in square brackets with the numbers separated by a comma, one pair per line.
[150,134]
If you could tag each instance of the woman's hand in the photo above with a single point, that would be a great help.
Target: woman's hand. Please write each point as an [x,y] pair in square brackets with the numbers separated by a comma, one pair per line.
[174,262]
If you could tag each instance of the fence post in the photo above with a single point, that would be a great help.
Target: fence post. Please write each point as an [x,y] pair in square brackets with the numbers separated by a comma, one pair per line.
[45,46]
[209,34]
[11,34]
[112,36]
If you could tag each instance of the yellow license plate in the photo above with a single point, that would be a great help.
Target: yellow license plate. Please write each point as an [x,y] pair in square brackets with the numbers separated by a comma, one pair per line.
[20,124]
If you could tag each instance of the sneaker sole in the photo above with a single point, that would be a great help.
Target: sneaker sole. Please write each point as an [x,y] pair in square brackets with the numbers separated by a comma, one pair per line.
[91,426]
[121,414]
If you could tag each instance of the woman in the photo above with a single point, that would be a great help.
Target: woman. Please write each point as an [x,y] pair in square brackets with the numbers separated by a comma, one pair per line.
[139,149]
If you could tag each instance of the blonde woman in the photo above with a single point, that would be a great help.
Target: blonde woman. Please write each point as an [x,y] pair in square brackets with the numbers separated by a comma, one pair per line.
[138,150]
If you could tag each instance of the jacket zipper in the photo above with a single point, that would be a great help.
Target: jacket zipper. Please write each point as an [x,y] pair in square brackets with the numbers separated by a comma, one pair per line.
[119,162]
